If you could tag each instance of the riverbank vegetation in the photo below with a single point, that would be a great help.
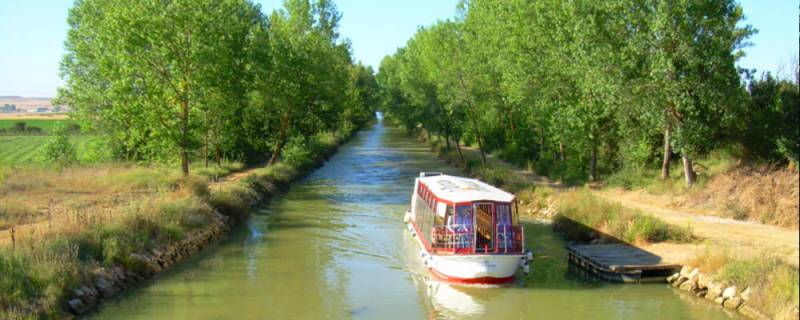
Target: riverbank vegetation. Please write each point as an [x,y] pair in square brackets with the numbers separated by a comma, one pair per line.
[774,285]
[581,216]
[195,112]
[105,217]
[636,93]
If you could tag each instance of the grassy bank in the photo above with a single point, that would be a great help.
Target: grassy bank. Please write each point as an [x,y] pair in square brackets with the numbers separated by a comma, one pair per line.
[79,220]
[583,217]
[774,285]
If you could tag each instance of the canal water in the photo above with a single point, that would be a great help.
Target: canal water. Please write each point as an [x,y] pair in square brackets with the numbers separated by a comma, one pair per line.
[334,247]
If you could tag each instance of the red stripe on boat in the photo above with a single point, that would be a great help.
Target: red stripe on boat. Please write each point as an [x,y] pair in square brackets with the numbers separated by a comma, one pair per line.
[481,280]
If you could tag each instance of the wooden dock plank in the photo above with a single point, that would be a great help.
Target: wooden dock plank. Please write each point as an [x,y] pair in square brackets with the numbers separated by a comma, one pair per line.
[619,262]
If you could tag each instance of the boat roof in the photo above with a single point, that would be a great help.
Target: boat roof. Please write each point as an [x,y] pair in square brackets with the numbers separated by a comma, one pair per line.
[459,189]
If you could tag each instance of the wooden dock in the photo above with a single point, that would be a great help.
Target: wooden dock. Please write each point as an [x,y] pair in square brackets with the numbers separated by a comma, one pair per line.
[620,263]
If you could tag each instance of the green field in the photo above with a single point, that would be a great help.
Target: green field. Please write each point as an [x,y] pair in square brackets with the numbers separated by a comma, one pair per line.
[26,149]
[44,124]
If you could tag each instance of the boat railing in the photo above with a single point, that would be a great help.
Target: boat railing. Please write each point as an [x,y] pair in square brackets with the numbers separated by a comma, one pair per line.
[458,238]
[461,239]
[509,238]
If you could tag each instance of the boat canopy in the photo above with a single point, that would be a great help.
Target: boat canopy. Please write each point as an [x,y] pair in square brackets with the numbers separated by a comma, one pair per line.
[459,190]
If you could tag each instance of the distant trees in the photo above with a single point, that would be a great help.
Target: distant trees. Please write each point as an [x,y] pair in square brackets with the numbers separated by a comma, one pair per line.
[207,78]
[578,88]
[769,123]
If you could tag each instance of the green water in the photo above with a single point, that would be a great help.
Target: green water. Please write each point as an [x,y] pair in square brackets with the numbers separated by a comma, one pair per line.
[335,247]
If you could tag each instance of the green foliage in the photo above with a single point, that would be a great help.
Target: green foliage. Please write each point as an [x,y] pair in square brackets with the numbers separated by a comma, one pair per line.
[58,149]
[296,152]
[769,124]
[176,81]
[579,90]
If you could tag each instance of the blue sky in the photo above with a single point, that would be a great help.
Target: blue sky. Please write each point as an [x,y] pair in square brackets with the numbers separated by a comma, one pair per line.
[32,33]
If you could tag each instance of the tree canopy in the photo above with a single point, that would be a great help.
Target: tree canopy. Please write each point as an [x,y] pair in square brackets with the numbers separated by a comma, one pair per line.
[581,88]
[188,80]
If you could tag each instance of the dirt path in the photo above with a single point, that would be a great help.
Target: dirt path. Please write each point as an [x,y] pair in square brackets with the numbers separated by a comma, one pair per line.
[742,238]
[235,176]
[739,238]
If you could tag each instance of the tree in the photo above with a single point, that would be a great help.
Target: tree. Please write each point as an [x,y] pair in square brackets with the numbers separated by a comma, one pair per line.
[694,46]
[143,70]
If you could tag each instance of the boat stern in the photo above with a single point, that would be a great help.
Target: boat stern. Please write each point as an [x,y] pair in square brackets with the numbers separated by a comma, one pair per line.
[476,269]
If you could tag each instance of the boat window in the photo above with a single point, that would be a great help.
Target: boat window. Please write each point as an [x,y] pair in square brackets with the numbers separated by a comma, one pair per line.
[503,214]
[449,216]
[441,211]
[464,215]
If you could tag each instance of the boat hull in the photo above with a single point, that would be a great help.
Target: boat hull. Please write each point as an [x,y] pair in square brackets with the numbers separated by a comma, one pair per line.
[472,268]
[475,269]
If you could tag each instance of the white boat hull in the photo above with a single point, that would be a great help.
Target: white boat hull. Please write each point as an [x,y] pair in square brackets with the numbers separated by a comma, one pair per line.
[470,269]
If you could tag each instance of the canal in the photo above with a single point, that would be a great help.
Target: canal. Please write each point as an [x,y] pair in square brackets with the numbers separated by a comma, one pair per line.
[334,247]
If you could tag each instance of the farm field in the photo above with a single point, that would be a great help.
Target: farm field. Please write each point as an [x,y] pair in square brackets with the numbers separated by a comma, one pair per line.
[45,124]
[15,150]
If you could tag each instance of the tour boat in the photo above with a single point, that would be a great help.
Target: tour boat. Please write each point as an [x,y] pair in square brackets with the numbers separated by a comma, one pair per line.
[468,230]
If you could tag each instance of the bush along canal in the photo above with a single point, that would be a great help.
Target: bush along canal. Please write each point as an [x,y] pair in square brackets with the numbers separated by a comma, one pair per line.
[334,246]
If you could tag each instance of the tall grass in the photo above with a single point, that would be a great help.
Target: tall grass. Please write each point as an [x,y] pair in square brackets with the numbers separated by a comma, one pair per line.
[584,217]
[775,285]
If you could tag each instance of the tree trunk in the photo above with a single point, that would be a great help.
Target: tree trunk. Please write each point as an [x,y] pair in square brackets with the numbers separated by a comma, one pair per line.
[480,147]
[688,170]
[593,165]
[474,121]
[561,153]
[447,140]
[458,148]
[276,153]
[218,154]
[667,154]
[185,138]
[205,150]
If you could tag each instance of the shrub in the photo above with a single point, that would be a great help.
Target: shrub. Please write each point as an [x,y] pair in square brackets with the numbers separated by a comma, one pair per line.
[58,149]
[296,152]
[97,150]
[198,187]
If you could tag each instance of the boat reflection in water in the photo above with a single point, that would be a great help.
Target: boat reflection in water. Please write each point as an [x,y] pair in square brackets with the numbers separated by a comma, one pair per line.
[450,301]
[447,299]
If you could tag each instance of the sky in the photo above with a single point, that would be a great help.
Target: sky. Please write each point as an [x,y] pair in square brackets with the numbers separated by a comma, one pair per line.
[32,33]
